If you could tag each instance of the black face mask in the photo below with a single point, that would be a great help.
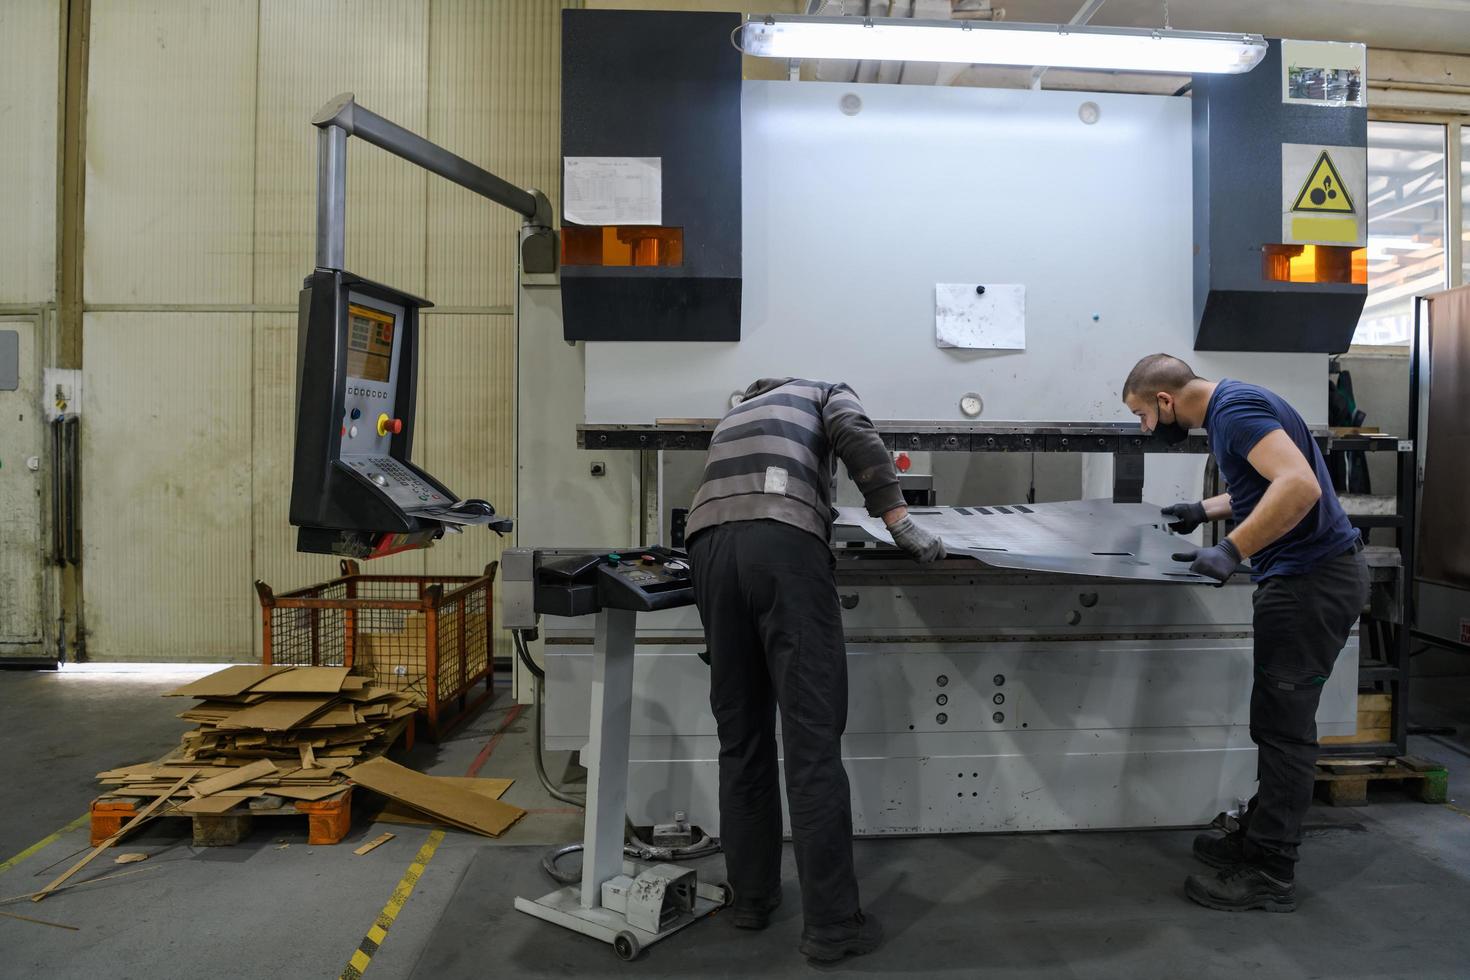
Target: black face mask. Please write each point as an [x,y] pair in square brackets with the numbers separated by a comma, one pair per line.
[1171,432]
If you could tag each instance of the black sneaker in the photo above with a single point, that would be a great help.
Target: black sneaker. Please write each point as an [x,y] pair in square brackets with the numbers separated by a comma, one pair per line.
[1240,889]
[754,915]
[1223,853]
[853,937]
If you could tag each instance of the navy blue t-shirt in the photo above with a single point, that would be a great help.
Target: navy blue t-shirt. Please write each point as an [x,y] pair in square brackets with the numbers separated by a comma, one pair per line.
[1241,415]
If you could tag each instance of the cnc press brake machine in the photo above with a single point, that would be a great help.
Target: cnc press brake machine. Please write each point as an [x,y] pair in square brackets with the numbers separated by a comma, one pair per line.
[806,230]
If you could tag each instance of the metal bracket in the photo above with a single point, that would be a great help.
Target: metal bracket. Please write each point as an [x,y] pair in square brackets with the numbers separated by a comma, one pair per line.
[1128,478]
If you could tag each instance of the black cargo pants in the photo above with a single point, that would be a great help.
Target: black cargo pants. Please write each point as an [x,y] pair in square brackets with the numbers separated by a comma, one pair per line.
[768,599]
[1301,624]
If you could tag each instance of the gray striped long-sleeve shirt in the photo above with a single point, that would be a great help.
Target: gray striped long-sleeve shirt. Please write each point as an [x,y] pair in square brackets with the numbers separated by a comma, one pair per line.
[774,457]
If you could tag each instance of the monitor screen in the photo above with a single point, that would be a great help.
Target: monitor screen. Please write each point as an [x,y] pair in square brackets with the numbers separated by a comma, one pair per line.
[369,343]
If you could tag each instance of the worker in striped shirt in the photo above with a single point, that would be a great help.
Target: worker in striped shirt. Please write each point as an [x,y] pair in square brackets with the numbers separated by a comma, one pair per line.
[761,562]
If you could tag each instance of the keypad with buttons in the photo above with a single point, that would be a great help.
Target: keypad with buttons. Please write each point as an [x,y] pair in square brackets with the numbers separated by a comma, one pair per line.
[398,481]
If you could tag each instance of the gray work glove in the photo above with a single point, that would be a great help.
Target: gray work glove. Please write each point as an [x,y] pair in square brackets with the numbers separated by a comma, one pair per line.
[921,545]
[1218,563]
[1187,517]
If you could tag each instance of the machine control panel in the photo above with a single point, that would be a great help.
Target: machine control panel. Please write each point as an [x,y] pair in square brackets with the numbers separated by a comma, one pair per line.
[354,489]
[645,580]
[641,579]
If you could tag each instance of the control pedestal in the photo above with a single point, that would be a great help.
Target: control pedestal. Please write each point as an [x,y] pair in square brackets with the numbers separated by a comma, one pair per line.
[626,903]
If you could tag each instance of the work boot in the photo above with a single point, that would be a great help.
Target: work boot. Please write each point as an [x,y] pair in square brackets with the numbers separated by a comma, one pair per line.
[851,937]
[755,914]
[1223,853]
[1240,889]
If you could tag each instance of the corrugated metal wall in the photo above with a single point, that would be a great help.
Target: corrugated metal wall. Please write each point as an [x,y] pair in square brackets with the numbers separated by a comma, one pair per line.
[30,54]
[199,229]
[30,49]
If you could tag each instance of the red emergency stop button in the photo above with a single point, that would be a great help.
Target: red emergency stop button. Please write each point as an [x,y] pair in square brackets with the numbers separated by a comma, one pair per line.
[389,426]
[903,462]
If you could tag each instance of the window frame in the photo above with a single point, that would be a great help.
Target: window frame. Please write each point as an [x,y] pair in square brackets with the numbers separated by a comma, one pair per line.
[1454,126]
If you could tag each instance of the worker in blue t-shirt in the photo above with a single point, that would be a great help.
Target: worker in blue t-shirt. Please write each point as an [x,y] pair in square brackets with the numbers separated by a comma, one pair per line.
[1311,586]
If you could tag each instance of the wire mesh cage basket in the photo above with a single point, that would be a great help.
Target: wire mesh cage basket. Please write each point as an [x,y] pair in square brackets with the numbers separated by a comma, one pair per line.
[428,636]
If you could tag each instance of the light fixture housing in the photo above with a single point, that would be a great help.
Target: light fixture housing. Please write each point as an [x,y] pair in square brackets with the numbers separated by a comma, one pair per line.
[1002,43]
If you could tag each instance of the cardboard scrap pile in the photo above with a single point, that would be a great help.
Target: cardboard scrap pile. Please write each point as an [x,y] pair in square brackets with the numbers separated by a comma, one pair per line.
[304,733]
[284,731]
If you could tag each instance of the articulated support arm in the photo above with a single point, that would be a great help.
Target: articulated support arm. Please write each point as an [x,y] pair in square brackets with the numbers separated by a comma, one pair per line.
[343,117]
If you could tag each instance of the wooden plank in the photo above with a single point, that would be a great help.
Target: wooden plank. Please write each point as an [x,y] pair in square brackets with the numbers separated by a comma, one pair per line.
[229,780]
[1420,764]
[142,816]
[397,813]
[210,805]
[337,715]
[303,680]
[377,841]
[142,768]
[81,884]
[226,683]
[1365,775]
[39,922]
[277,714]
[1364,736]
[458,806]
[308,793]
[369,694]
[1352,763]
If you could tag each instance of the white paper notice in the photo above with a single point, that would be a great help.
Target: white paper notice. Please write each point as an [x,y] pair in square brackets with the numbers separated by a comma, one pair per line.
[613,190]
[966,317]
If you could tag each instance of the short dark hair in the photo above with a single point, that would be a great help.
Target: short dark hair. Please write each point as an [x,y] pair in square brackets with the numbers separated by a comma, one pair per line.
[1158,372]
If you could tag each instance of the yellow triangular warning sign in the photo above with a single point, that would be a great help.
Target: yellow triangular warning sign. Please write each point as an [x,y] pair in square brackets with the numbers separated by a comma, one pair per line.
[1324,190]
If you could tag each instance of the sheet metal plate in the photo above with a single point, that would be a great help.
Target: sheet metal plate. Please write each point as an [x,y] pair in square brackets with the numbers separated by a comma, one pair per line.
[1077,537]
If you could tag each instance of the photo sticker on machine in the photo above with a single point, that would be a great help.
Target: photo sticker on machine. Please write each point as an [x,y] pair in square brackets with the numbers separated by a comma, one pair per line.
[1324,73]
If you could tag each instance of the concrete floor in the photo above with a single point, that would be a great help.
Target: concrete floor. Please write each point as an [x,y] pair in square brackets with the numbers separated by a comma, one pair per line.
[1384,887]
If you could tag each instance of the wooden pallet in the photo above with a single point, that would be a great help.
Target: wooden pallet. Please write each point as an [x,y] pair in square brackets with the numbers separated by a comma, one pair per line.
[329,819]
[1344,782]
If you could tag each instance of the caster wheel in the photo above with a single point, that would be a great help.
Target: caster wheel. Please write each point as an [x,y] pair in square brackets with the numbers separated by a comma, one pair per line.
[625,944]
[727,892]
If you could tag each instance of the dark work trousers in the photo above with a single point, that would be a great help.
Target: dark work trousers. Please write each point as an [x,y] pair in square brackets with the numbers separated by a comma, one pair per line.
[768,599]
[1301,625]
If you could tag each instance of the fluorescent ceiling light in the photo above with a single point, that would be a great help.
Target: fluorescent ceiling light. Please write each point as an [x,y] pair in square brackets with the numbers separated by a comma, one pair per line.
[1002,43]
